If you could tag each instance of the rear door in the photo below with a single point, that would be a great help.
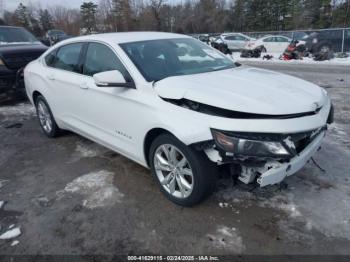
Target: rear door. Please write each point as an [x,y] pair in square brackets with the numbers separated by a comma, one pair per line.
[241,41]
[230,40]
[270,44]
[282,43]
[64,77]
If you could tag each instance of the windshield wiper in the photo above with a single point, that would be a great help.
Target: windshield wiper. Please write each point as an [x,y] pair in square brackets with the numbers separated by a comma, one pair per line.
[222,68]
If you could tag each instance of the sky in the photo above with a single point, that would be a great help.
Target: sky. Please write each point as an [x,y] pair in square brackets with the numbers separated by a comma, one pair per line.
[10,5]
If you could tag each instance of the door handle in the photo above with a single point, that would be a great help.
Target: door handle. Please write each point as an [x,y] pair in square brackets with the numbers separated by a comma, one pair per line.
[83,86]
[51,77]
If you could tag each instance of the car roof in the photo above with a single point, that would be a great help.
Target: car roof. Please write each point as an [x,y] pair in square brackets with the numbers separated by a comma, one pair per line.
[128,37]
[265,36]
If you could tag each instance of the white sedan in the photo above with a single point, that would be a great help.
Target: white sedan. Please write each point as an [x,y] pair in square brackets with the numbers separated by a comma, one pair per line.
[270,43]
[180,108]
[235,41]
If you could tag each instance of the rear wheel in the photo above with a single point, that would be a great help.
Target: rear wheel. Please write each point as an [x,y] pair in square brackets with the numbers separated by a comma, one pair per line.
[184,175]
[46,119]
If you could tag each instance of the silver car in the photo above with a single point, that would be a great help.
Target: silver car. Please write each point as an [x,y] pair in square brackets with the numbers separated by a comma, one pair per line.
[235,41]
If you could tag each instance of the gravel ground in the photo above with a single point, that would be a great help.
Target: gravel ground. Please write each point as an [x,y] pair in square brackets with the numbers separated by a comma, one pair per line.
[71,196]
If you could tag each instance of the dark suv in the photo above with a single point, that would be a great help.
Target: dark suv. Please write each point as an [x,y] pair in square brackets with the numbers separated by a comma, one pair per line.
[328,40]
[17,48]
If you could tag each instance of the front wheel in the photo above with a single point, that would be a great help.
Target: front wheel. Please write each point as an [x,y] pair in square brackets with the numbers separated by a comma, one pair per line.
[184,175]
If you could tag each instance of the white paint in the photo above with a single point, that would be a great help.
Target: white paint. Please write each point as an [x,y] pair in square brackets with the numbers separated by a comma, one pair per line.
[97,188]
[12,233]
[227,238]
[124,116]
[271,45]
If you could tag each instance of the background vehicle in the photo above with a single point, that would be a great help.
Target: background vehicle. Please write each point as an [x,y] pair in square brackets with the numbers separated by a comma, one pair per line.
[220,45]
[271,43]
[328,40]
[17,48]
[235,41]
[54,36]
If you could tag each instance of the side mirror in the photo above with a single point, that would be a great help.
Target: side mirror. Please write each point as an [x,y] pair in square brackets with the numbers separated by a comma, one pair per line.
[112,79]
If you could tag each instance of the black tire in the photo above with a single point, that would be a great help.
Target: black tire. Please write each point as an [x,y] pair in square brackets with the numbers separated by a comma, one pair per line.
[54,130]
[263,49]
[203,170]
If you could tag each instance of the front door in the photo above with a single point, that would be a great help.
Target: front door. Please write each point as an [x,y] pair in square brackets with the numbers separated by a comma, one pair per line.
[110,113]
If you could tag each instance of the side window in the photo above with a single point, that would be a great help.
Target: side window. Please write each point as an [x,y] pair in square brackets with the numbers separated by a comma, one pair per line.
[347,33]
[100,58]
[269,39]
[282,39]
[240,38]
[50,58]
[231,37]
[67,57]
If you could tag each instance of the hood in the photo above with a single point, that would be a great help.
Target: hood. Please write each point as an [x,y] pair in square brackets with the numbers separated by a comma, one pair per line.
[245,89]
[18,56]
[18,48]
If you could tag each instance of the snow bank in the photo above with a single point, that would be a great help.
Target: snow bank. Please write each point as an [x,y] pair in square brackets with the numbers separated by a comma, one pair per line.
[305,60]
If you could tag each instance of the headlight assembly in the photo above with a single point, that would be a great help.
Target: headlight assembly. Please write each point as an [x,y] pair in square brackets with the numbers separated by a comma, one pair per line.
[249,147]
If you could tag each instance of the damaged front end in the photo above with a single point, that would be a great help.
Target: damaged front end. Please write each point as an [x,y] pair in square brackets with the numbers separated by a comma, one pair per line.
[262,157]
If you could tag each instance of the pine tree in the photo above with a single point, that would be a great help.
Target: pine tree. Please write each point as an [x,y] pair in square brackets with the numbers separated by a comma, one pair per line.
[122,11]
[45,20]
[312,13]
[325,20]
[21,17]
[88,11]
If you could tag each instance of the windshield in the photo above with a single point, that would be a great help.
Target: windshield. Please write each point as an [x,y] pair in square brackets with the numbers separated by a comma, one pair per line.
[12,35]
[158,59]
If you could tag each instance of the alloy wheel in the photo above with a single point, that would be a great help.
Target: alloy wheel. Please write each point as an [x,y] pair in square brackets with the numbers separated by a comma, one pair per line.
[173,171]
[44,116]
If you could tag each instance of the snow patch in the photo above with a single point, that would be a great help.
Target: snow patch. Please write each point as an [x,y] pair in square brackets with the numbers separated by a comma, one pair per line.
[97,188]
[14,243]
[87,150]
[284,203]
[227,238]
[12,233]
[19,112]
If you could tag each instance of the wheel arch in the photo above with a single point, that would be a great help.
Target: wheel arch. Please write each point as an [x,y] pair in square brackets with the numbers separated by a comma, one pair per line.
[149,138]
[35,96]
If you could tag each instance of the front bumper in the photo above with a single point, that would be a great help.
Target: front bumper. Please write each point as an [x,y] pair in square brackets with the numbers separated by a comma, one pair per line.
[280,171]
